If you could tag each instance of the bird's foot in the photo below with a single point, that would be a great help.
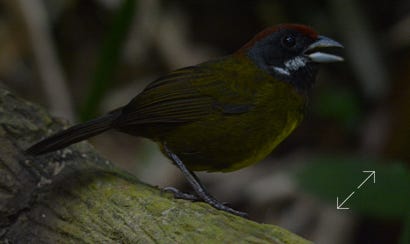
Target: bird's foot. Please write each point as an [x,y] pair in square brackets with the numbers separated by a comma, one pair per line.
[181,195]
[218,205]
[211,201]
[196,184]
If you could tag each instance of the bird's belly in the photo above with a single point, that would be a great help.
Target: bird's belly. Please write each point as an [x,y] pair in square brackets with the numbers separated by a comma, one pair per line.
[230,143]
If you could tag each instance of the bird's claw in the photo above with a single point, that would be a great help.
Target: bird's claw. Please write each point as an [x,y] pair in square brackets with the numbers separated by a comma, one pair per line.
[220,206]
[225,208]
[181,195]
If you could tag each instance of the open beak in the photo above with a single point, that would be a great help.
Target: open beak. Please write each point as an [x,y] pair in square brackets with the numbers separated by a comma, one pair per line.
[313,51]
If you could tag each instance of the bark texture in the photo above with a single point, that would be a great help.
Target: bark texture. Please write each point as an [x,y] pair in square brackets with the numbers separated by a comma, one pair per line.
[76,196]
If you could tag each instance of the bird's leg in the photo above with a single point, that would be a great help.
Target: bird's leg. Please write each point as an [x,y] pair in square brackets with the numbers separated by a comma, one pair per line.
[198,187]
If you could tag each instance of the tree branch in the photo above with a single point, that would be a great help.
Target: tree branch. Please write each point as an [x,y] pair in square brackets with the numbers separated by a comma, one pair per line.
[75,195]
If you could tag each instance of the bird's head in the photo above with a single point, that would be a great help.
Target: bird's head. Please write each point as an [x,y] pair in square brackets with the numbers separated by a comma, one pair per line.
[291,52]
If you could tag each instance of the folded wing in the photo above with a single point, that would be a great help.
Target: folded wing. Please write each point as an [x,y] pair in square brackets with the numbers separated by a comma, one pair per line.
[184,95]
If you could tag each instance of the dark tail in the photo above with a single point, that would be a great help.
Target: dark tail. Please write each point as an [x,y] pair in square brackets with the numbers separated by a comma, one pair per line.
[73,134]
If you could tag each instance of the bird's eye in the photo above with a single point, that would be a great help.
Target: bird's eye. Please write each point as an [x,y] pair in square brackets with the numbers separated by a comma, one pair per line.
[288,41]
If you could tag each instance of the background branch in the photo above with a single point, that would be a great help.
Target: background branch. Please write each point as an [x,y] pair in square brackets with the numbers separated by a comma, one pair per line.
[51,74]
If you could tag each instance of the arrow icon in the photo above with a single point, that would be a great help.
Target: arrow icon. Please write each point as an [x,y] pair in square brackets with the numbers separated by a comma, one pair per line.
[372,173]
[339,206]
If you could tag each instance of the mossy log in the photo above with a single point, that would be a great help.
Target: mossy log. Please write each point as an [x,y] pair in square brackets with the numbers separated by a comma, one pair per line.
[76,196]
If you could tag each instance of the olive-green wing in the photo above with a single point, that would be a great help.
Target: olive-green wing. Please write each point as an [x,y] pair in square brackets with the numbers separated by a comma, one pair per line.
[184,95]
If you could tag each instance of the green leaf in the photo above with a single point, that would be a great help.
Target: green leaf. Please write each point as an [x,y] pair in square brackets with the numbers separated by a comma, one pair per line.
[331,177]
[109,58]
[340,104]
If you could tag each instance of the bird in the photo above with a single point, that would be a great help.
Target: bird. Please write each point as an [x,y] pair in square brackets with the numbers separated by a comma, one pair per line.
[223,114]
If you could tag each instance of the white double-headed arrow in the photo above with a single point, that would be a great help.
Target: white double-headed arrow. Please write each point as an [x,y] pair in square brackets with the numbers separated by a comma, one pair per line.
[372,173]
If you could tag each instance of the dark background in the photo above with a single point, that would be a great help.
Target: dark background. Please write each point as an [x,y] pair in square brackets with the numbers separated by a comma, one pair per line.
[83,58]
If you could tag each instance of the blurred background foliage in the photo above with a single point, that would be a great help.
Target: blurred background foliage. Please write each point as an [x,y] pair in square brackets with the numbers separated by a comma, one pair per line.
[83,58]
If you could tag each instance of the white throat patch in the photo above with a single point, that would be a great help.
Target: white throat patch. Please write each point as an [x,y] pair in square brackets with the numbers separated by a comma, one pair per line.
[291,65]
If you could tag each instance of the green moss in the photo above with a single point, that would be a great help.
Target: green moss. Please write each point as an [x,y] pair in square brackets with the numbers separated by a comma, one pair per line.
[126,212]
